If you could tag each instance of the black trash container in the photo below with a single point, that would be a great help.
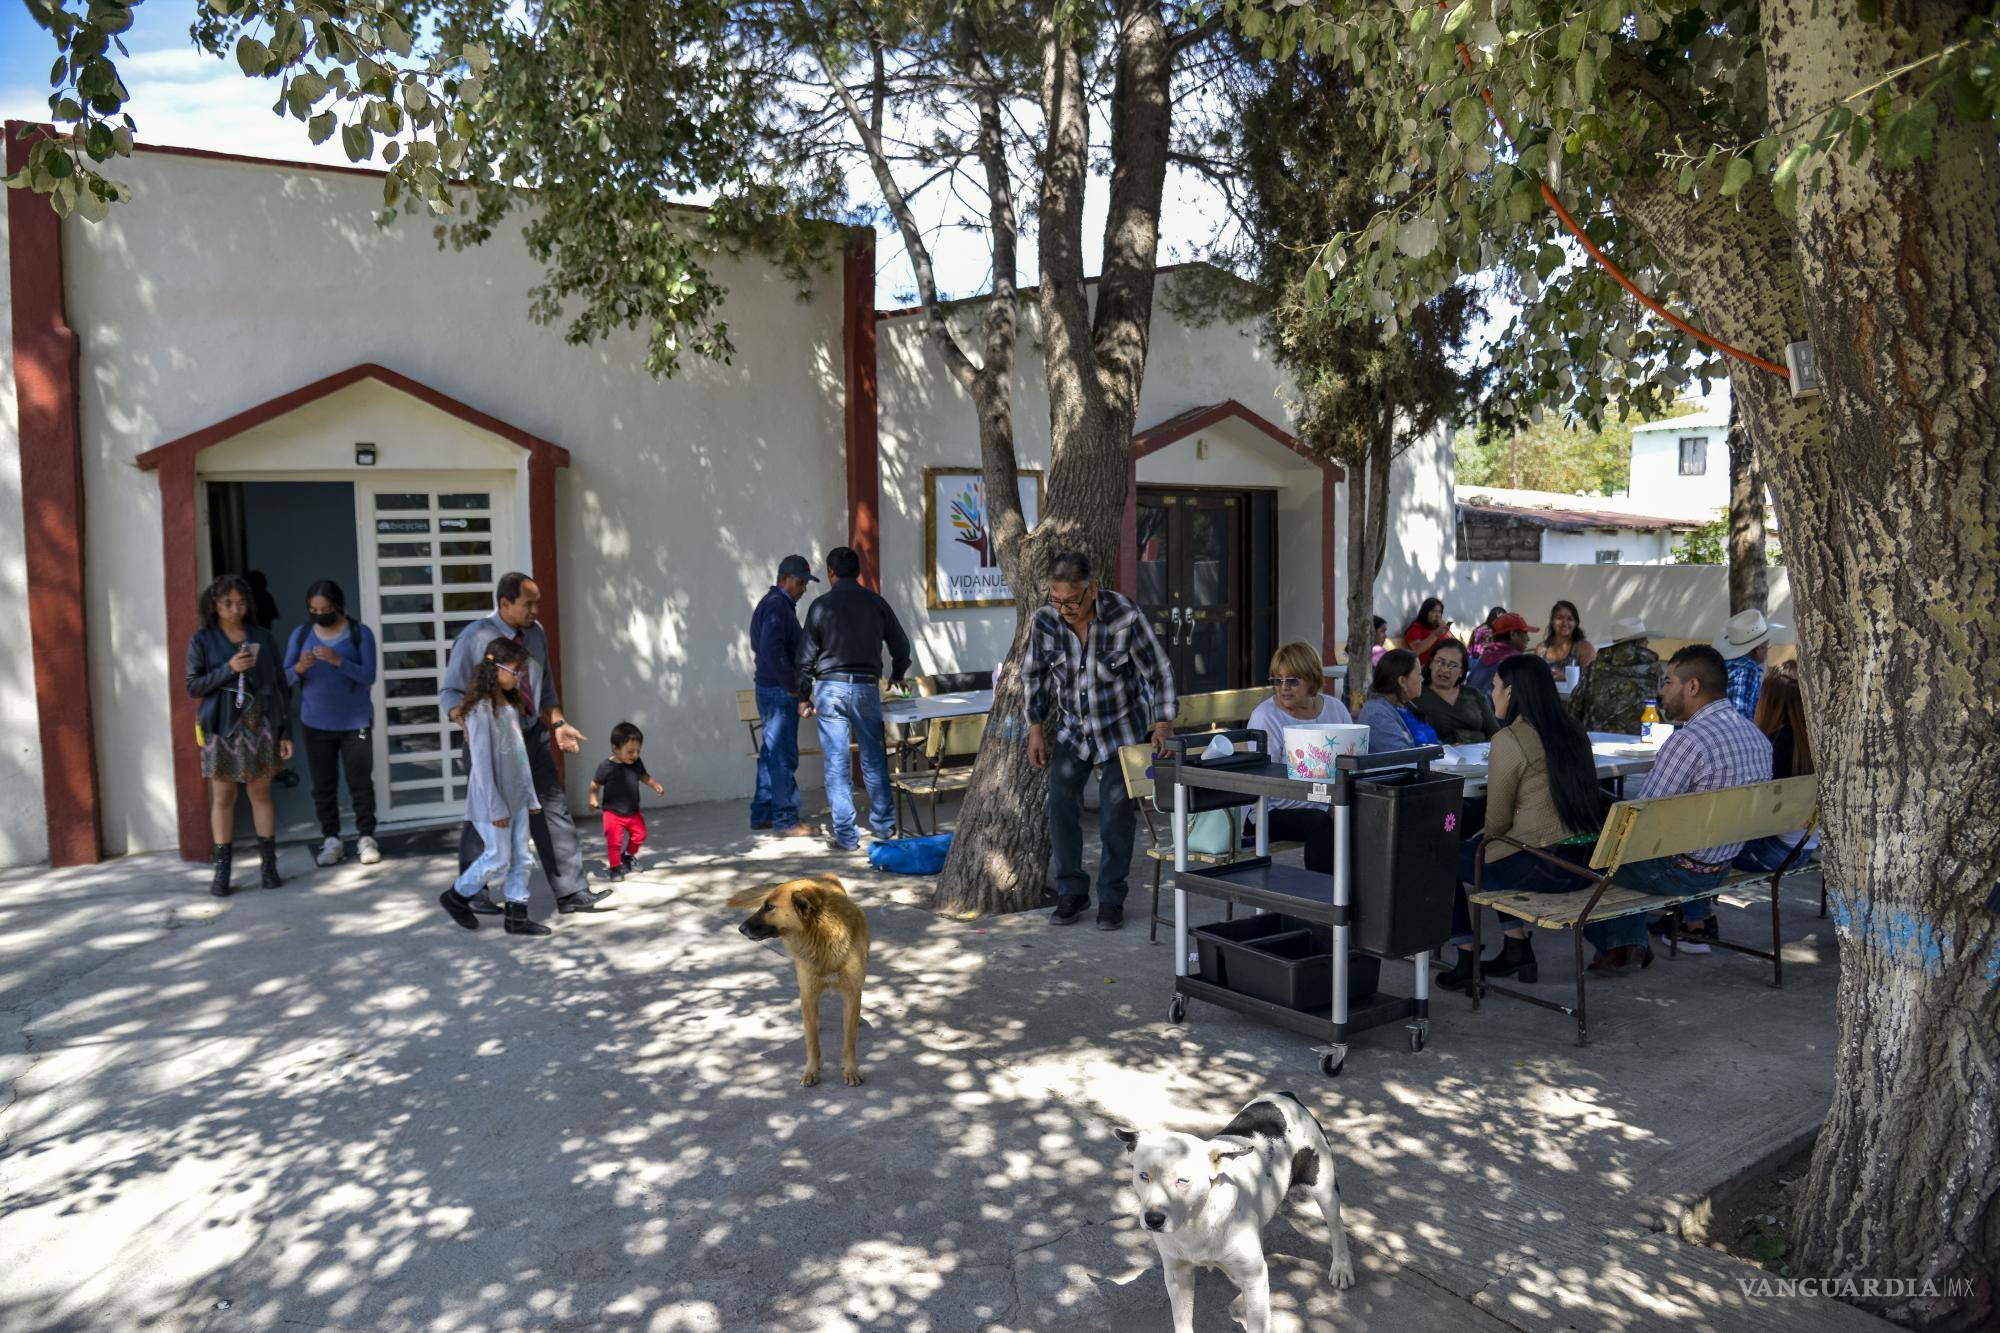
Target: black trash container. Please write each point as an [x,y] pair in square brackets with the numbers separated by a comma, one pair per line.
[1403,829]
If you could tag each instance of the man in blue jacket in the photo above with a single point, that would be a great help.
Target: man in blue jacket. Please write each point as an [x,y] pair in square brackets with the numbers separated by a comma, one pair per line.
[774,641]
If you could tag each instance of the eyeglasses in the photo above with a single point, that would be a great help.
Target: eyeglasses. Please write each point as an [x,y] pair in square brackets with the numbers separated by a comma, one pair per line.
[1285,682]
[1069,603]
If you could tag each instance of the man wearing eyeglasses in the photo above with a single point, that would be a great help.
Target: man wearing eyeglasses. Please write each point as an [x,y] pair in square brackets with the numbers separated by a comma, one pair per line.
[1094,668]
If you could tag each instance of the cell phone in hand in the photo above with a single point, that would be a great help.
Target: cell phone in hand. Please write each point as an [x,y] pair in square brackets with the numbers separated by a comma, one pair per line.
[253,648]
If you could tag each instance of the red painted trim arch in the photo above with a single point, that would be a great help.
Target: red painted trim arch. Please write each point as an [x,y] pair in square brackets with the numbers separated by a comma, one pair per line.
[181,568]
[1177,428]
[51,444]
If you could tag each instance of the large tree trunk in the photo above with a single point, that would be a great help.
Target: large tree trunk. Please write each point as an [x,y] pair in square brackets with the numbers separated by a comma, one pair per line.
[1889,487]
[1893,537]
[1094,369]
[1749,581]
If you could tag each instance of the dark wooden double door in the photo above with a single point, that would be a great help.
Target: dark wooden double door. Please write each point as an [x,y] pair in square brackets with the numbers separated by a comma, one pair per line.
[1208,582]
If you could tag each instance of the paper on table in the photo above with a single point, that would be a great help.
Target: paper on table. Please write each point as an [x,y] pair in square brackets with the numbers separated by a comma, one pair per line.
[1467,754]
[1219,748]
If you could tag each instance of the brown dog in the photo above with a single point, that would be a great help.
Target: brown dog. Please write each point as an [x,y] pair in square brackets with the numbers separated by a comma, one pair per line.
[827,937]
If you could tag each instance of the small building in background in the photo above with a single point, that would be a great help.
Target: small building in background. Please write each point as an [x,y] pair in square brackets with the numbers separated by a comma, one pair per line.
[1681,465]
[1547,527]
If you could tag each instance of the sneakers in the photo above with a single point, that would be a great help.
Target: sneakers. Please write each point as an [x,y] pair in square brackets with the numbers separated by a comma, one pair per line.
[1110,918]
[1068,911]
[329,853]
[370,853]
[616,872]
[795,831]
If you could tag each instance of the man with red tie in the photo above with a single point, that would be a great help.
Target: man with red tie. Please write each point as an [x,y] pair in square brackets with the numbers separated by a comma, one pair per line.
[553,830]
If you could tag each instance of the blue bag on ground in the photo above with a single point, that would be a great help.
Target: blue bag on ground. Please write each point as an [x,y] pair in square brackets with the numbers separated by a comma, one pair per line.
[910,856]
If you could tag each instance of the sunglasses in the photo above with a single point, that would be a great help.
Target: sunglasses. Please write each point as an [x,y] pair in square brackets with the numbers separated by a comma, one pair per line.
[1279,682]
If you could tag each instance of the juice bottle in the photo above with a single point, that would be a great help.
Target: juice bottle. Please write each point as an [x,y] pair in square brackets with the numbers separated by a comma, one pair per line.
[1649,718]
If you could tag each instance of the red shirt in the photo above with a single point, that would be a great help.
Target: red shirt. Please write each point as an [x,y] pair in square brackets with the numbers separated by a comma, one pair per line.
[1423,641]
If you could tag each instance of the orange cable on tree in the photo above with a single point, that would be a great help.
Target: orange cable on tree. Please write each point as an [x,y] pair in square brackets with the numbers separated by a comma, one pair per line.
[1618,274]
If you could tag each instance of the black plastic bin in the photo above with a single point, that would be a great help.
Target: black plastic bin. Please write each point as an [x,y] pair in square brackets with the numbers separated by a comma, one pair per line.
[1404,835]
[1281,960]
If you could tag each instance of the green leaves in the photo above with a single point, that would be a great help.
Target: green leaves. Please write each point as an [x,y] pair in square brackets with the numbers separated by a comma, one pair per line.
[358,141]
[253,57]
[1737,175]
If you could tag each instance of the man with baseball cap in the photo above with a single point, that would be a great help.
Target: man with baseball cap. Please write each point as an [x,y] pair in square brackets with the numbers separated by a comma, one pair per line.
[774,642]
[1510,638]
[1745,645]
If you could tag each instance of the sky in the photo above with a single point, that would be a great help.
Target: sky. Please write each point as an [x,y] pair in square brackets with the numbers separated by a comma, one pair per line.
[184,97]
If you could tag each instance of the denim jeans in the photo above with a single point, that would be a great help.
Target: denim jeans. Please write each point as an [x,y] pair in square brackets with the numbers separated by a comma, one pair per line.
[553,831]
[1661,876]
[847,710]
[506,854]
[777,800]
[1117,823]
[1767,854]
[1523,872]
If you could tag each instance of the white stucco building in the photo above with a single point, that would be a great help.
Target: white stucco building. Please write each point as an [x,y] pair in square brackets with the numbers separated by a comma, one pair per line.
[1680,466]
[239,370]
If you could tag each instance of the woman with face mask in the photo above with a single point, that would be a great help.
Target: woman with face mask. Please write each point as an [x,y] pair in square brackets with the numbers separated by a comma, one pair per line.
[332,661]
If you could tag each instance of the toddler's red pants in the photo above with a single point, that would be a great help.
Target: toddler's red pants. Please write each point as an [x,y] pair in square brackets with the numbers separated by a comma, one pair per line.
[623,835]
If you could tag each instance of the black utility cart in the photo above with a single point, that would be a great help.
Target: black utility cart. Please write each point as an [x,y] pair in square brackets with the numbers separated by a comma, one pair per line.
[1395,865]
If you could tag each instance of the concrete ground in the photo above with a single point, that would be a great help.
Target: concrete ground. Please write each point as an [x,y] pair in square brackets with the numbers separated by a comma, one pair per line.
[328,1107]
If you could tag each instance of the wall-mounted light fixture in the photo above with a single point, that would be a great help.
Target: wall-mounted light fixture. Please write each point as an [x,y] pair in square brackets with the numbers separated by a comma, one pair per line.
[364,455]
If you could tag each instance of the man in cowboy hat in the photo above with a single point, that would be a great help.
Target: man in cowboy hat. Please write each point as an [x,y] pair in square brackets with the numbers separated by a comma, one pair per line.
[1616,686]
[1744,645]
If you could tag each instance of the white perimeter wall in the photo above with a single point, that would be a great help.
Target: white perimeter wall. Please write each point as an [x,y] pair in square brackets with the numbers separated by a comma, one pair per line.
[224,284]
[1675,601]
[24,833]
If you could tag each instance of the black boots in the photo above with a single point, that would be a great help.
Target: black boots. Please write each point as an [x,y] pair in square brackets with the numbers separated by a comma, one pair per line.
[519,924]
[220,856]
[1517,960]
[1459,975]
[482,903]
[267,860]
[455,906]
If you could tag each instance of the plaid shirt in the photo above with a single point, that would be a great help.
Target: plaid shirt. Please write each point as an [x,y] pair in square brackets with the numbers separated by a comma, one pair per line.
[1713,749]
[1127,687]
[1746,682]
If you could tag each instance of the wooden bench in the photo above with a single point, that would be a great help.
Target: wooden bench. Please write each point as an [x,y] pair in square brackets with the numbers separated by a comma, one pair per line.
[1647,830]
[1217,710]
[950,747]
[1133,761]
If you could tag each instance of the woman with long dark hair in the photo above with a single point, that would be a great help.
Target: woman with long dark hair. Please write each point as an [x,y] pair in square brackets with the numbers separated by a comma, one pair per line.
[332,657]
[232,667]
[1565,644]
[1541,792]
[1428,629]
[1781,715]
[500,795]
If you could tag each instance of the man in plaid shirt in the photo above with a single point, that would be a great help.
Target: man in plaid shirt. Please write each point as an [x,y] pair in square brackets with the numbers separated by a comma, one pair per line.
[1712,747]
[1094,667]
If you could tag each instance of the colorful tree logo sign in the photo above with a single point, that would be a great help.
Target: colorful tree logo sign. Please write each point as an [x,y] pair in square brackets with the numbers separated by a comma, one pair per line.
[968,521]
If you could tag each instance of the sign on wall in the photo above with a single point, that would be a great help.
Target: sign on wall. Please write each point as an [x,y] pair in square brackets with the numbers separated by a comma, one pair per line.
[962,561]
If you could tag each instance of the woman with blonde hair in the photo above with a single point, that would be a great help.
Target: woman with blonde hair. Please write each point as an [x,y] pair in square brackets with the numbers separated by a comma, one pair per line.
[1298,697]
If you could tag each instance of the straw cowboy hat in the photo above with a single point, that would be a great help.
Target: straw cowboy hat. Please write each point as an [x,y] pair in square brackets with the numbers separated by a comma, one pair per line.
[1745,632]
[1623,630]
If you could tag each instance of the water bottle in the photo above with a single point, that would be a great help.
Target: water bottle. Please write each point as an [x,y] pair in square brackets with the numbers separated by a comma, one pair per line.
[1649,722]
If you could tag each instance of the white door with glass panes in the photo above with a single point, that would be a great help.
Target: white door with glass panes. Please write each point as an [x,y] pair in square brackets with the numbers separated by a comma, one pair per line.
[431,549]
